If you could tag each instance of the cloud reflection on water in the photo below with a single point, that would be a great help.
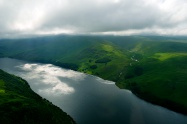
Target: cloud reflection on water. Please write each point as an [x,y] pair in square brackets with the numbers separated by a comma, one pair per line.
[50,77]
[104,81]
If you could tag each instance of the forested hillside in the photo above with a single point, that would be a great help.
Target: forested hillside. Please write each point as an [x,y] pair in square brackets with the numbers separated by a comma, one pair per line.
[153,67]
[20,105]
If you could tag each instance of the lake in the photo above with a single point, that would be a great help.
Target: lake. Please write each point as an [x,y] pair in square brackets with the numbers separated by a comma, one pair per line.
[89,99]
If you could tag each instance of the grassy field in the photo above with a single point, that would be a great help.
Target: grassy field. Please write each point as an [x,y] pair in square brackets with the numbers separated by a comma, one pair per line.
[20,105]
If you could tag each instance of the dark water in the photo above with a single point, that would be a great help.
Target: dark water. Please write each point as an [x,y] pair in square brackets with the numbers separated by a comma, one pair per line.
[89,99]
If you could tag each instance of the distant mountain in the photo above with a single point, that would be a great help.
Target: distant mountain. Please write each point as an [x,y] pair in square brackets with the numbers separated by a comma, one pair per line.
[20,105]
[153,67]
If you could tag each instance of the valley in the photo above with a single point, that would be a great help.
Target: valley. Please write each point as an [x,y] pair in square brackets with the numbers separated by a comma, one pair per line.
[152,67]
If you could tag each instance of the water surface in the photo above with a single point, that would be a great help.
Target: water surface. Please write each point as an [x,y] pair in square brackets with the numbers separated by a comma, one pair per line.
[89,99]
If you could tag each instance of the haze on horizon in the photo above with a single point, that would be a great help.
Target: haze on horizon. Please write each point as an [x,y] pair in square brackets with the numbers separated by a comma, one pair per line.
[115,17]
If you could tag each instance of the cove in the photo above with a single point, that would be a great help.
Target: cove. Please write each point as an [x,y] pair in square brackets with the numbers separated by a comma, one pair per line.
[89,99]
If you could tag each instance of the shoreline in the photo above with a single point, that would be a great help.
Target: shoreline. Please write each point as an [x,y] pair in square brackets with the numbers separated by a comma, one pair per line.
[161,102]
[148,98]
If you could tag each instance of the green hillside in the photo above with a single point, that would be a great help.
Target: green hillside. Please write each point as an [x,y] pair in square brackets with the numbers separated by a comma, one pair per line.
[153,67]
[20,105]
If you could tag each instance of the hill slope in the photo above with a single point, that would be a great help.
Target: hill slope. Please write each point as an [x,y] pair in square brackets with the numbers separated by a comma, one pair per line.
[153,67]
[19,104]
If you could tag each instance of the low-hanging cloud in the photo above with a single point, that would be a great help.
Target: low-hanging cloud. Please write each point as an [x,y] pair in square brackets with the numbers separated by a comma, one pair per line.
[93,17]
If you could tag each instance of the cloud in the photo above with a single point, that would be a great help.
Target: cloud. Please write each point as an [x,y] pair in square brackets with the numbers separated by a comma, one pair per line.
[21,17]
[49,76]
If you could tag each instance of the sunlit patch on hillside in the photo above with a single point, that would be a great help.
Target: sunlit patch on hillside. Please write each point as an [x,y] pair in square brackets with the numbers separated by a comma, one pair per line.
[2,87]
[165,56]
[111,50]
[2,91]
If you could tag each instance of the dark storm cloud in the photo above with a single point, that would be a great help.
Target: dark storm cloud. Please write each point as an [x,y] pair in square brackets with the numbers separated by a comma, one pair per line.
[24,17]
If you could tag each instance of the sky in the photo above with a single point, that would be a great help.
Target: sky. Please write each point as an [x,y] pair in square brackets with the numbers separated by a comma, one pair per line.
[108,17]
